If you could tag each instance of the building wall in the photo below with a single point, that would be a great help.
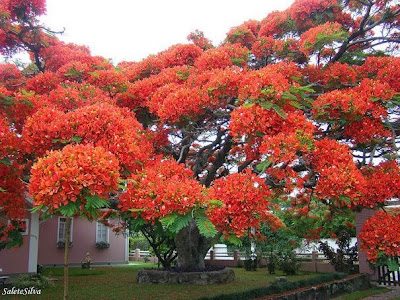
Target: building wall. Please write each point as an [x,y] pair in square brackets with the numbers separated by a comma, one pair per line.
[16,260]
[83,241]
[361,217]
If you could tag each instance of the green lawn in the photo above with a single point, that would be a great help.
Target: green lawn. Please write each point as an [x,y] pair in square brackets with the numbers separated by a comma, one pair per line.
[363,294]
[120,283]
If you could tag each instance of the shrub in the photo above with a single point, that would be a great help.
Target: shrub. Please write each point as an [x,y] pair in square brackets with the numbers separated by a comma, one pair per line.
[344,258]
[276,288]
[272,263]
[288,263]
[138,243]
[250,264]
[35,280]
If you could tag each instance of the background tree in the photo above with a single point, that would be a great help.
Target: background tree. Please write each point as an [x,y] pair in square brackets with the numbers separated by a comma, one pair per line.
[291,109]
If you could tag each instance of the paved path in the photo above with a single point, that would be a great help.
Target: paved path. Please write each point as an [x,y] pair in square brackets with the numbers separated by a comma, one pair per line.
[393,294]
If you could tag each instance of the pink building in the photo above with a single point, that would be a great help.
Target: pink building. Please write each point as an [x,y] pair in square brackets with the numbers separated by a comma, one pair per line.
[364,265]
[43,243]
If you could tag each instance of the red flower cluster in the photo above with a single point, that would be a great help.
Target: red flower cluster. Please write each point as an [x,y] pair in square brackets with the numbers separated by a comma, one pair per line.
[339,180]
[198,38]
[222,57]
[264,84]
[339,74]
[385,69]
[176,55]
[105,125]
[12,195]
[245,34]
[245,204]
[71,174]
[383,183]
[10,76]
[160,190]
[9,142]
[43,83]
[366,130]
[110,81]
[380,237]
[318,37]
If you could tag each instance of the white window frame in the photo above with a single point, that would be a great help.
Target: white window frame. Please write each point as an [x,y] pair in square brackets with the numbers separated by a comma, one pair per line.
[58,230]
[107,234]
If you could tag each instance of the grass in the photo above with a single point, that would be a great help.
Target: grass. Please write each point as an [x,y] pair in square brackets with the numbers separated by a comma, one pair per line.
[120,283]
[55,272]
[362,294]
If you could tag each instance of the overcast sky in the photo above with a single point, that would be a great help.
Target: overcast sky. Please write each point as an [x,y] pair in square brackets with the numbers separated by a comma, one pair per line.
[131,30]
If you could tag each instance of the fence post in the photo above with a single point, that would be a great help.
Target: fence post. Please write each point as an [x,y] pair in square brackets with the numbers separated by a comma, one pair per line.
[137,255]
[314,258]
[236,256]
[212,255]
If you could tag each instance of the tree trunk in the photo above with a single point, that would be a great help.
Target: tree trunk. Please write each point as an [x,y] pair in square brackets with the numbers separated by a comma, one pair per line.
[66,252]
[192,247]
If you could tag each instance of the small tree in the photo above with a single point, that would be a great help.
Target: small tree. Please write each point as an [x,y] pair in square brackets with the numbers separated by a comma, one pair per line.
[344,257]
[73,181]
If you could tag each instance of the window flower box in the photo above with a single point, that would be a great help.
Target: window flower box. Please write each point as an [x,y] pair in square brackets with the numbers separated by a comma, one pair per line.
[61,244]
[102,245]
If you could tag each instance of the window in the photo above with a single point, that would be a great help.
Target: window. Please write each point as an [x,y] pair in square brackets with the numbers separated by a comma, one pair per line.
[25,226]
[101,233]
[62,229]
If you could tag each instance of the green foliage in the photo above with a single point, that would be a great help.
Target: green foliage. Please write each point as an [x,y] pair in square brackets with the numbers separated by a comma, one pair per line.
[135,225]
[330,222]
[279,111]
[138,241]
[176,222]
[391,262]
[5,161]
[288,263]
[276,288]
[168,221]
[36,280]
[251,264]
[94,203]
[70,209]
[205,226]
[233,239]
[344,258]
[262,166]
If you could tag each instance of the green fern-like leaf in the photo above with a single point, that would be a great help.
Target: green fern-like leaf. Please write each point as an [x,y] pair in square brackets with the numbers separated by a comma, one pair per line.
[95,202]
[205,226]
[279,111]
[168,221]
[69,210]
[180,222]
[234,240]
[136,224]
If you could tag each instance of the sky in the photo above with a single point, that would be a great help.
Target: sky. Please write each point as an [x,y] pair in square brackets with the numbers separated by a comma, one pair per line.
[131,30]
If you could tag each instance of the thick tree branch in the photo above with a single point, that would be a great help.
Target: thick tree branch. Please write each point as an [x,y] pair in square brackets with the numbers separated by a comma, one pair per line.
[219,161]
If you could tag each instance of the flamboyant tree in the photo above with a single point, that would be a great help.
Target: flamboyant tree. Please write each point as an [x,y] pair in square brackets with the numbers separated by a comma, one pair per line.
[299,110]
[73,181]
